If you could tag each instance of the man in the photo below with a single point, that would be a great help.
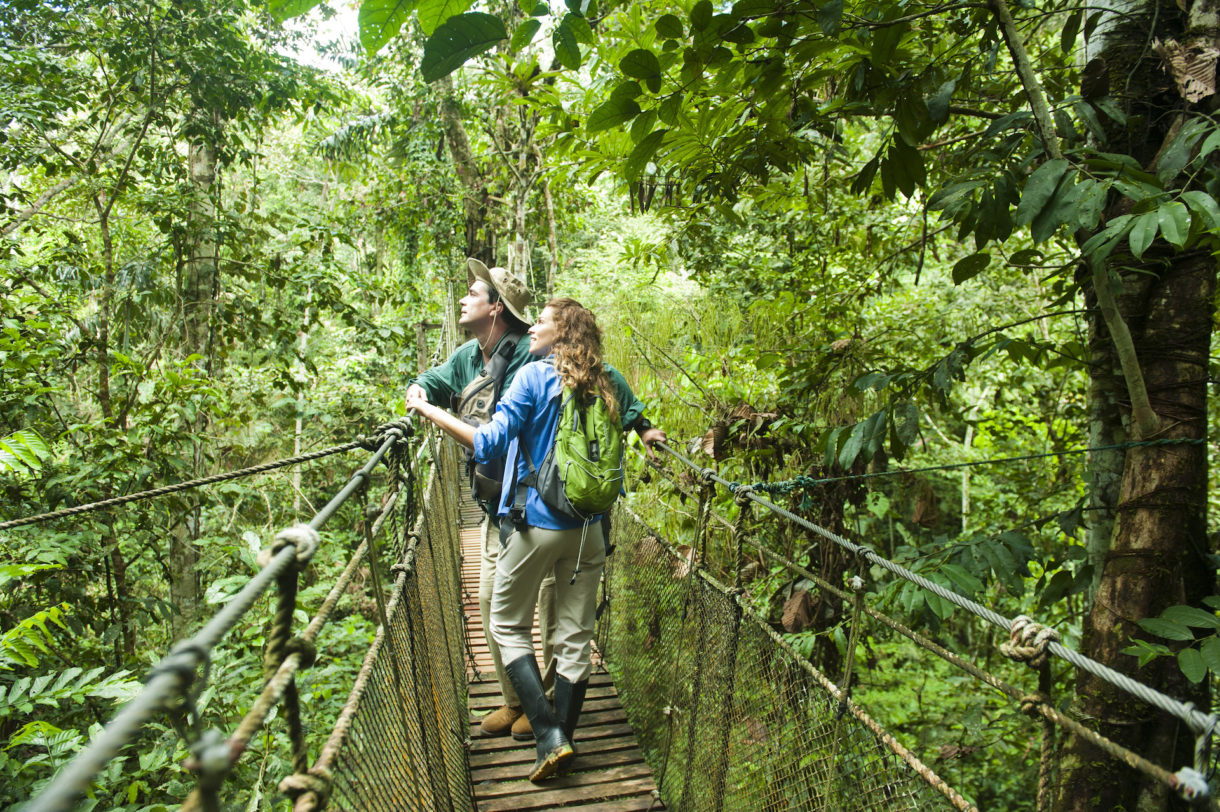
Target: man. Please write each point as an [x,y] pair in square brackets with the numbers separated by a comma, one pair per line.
[495,310]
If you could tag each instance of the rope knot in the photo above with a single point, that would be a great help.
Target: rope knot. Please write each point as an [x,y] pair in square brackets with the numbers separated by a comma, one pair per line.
[1028,641]
[856,583]
[707,476]
[741,494]
[307,650]
[401,429]
[303,537]
[399,568]
[211,757]
[367,443]
[1192,784]
[1031,702]
[309,791]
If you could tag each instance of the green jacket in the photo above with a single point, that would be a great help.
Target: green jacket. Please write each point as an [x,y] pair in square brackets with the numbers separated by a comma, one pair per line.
[445,382]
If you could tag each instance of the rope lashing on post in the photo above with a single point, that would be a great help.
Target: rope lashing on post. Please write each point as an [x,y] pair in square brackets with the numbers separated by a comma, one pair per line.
[181,486]
[1028,642]
[808,482]
[1197,720]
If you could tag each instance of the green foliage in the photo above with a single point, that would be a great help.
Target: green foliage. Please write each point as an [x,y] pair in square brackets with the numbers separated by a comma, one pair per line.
[1198,628]
[23,451]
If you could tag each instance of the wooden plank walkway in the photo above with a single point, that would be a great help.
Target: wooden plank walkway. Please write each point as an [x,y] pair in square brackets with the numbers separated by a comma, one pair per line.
[610,773]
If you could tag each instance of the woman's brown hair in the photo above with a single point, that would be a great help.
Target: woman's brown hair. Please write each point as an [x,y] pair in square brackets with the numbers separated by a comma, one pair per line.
[578,351]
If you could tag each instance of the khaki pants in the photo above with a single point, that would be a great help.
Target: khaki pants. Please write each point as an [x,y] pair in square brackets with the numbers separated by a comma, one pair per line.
[546,615]
[530,556]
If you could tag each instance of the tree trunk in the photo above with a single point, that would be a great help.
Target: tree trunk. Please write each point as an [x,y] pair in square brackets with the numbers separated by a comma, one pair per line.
[198,293]
[479,243]
[1158,552]
[1151,548]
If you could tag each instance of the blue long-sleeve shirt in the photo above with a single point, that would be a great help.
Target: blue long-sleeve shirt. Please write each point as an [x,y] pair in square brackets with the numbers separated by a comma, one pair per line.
[527,414]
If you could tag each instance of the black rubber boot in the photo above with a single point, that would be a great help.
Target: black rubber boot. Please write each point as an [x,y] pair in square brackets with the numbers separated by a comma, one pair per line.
[554,748]
[569,697]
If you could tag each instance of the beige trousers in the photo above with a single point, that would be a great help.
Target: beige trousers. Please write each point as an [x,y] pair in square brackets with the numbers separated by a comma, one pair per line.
[530,556]
[546,615]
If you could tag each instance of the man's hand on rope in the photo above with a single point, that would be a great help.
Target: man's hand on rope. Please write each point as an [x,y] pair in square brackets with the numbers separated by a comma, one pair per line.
[416,392]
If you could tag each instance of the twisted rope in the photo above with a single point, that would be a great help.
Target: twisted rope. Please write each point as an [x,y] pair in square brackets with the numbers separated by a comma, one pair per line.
[181,486]
[803,482]
[1028,641]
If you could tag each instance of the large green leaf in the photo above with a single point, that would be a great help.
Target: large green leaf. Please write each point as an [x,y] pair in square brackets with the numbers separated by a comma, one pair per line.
[612,113]
[701,15]
[1166,629]
[524,34]
[567,47]
[459,39]
[642,154]
[1144,232]
[669,27]
[640,64]
[1039,189]
[970,267]
[1204,205]
[1211,653]
[284,9]
[1174,221]
[380,21]
[1192,616]
[1192,665]
[433,13]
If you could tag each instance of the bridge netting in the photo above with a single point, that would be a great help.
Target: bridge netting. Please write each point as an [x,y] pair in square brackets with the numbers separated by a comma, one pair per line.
[400,741]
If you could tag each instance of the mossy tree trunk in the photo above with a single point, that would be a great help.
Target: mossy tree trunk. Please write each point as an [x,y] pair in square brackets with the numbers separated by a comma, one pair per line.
[1148,538]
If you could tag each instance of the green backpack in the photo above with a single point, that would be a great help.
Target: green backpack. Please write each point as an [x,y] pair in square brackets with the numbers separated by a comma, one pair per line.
[582,474]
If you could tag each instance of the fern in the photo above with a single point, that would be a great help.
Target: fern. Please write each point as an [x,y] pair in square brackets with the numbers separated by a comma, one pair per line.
[70,685]
[22,644]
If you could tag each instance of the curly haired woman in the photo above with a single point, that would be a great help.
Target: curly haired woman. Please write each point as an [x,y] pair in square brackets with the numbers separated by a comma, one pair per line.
[543,541]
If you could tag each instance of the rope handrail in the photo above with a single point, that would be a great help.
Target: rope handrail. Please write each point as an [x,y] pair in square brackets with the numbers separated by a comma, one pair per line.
[799,482]
[182,486]
[177,671]
[1198,721]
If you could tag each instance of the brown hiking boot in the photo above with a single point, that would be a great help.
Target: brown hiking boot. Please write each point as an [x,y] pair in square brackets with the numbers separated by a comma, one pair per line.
[501,721]
[522,731]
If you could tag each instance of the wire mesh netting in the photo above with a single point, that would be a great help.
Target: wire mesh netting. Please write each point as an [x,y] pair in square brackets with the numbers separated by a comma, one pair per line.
[400,744]
[729,717]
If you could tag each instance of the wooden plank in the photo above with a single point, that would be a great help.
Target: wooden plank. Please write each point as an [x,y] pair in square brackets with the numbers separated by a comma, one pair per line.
[603,744]
[563,793]
[585,762]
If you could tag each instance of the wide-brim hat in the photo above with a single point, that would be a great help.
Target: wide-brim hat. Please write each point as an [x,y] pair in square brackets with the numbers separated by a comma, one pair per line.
[511,287]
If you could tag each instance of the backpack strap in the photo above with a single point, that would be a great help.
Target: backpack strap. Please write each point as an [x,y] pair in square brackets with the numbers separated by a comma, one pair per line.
[516,511]
[496,369]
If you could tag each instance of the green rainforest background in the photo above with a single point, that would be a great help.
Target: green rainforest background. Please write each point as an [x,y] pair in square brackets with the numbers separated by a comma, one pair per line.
[822,239]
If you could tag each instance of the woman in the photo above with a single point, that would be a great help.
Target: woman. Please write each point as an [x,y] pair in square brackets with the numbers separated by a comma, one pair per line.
[543,541]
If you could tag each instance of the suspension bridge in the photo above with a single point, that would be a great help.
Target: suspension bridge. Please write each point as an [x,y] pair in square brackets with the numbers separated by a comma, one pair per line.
[696,703]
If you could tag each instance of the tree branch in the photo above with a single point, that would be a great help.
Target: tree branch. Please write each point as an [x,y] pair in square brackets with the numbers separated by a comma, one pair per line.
[1144,418]
[43,199]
